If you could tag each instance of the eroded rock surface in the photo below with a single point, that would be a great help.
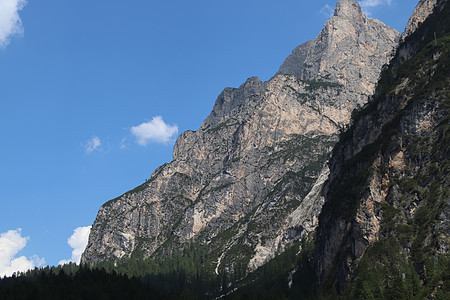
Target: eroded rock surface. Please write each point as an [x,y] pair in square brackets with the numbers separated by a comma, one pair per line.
[349,50]
[423,9]
[241,184]
[387,198]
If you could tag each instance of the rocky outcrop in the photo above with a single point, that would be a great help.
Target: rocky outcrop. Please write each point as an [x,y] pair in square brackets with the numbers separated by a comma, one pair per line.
[423,9]
[241,184]
[349,50]
[387,199]
[234,166]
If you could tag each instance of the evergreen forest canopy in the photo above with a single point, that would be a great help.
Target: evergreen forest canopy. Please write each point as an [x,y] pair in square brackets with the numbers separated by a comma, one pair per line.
[383,273]
[181,276]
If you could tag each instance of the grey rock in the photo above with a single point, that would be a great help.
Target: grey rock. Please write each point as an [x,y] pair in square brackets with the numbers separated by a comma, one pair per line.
[387,160]
[423,9]
[243,180]
[350,50]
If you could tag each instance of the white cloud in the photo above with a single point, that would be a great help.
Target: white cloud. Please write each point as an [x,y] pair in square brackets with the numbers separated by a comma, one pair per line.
[123,143]
[327,11]
[366,5]
[10,22]
[11,242]
[93,144]
[154,131]
[78,241]
[374,3]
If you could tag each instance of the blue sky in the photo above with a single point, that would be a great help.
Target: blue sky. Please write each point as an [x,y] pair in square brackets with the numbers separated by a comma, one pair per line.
[94,93]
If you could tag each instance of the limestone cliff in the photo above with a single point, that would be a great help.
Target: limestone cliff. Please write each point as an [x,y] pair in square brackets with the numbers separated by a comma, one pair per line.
[348,44]
[244,184]
[423,9]
[384,228]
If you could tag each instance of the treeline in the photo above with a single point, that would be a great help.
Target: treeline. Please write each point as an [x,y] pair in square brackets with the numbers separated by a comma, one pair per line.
[182,276]
[289,275]
[74,282]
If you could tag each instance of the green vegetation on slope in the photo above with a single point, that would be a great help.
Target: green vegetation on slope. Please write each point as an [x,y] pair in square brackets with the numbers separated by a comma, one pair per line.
[405,263]
[409,260]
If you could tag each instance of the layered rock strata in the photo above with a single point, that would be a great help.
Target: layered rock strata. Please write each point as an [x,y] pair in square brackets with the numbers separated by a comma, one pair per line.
[241,184]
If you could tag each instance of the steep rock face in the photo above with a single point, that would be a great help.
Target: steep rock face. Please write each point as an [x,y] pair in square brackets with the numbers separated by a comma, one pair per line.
[227,168]
[423,9]
[241,184]
[349,50]
[387,200]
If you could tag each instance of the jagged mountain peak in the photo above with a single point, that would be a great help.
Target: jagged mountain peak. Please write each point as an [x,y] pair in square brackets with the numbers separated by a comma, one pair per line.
[350,10]
[368,204]
[349,50]
[254,159]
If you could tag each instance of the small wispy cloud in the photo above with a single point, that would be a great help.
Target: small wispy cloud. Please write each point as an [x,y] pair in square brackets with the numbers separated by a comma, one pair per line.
[366,5]
[93,144]
[78,241]
[374,3]
[11,243]
[327,11]
[10,22]
[123,143]
[154,131]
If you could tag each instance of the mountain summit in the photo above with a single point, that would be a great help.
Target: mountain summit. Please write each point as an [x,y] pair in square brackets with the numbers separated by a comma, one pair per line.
[245,184]
[349,9]
[349,50]
[373,223]
[384,230]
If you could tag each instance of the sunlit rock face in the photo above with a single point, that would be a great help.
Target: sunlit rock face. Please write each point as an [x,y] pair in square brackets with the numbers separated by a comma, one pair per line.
[388,182]
[350,50]
[423,9]
[245,184]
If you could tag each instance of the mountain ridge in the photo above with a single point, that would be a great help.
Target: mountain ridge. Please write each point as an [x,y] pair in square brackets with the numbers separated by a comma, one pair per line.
[388,184]
[349,32]
[251,163]
[369,221]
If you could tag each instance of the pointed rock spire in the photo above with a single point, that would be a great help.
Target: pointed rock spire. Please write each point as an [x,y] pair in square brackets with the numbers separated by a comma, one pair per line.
[349,9]
[350,50]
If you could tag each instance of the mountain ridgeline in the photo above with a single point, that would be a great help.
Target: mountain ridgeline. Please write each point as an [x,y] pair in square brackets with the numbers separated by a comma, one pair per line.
[328,180]
[246,184]
[384,226]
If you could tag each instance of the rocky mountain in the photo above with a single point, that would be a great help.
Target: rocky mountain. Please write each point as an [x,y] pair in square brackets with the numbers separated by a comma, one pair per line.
[247,183]
[250,183]
[348,44]
[384,228]
[423,9]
